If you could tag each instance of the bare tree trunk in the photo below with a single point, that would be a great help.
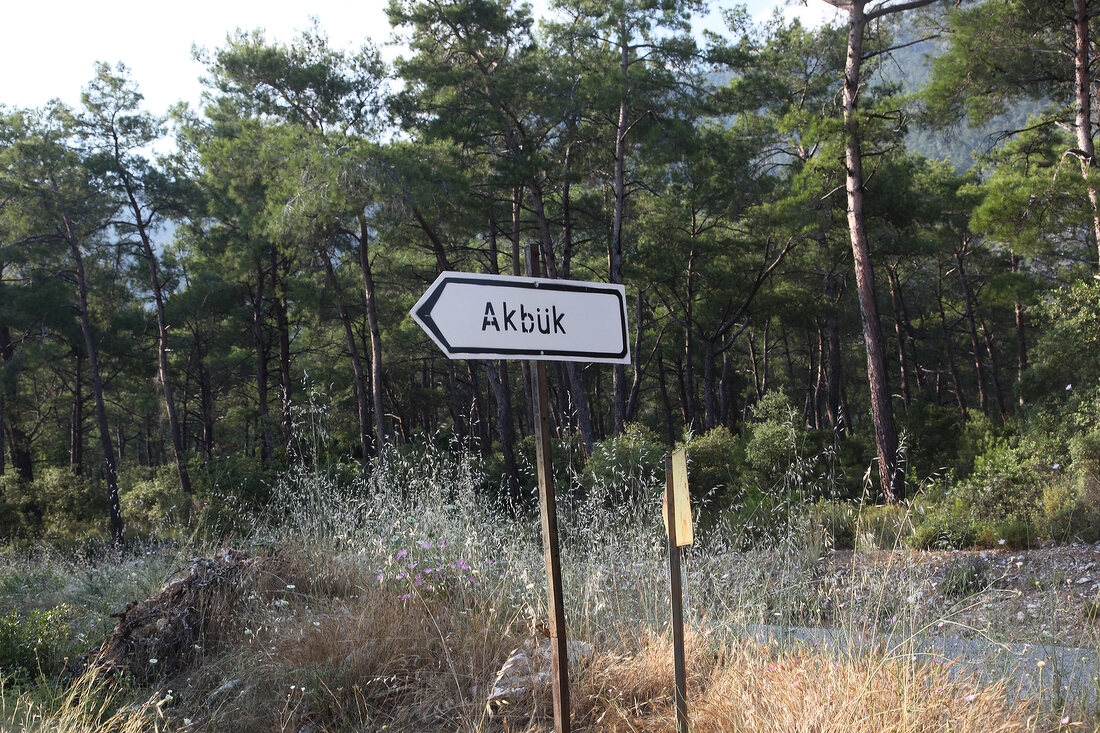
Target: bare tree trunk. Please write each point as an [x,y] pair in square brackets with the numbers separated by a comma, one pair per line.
[710,397]
[1021,340]
[109,464]
[835,372]
[206,409]
[998,392]
[261,366]
[576,387]
[891,474]
[76,423]
[502,393]
[19,446]
[899,332]
[636,382]
[162,324]
[687,381]
[375,334]
[359,381]
[1083,110]
[282,330]
[971,319]
[948,349]
[666,401]
[517,270]
[615,251]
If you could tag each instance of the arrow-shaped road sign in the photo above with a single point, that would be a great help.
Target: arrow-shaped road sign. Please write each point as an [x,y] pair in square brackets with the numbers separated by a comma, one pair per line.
[500,317]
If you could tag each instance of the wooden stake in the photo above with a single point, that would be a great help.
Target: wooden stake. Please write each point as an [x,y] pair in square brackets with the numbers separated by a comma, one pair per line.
[548,512]
[677,604]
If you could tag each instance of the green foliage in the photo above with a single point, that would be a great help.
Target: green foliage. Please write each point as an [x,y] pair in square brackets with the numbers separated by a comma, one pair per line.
[716,463]
[152,502]
[1000,504]
[776,435]
[934,437]
[57,505]
[837,521]
[37,644]
[632,462]
[883,527]
[233,488]
[1071,499]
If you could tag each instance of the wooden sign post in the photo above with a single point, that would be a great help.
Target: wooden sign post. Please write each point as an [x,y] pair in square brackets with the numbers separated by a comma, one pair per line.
[677,515]
[500,317]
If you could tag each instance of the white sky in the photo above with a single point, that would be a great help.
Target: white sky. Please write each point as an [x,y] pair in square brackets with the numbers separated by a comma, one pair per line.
[50,46]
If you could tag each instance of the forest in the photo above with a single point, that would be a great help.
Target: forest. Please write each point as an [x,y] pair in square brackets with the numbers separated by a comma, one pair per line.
[192,304]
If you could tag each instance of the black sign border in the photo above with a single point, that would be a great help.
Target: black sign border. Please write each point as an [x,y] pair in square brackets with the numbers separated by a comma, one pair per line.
[425,309]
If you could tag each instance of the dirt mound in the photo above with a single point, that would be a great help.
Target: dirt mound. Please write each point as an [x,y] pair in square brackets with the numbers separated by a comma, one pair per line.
[159,637]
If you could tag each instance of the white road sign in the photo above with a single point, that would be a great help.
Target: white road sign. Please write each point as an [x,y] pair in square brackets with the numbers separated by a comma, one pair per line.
[501,317]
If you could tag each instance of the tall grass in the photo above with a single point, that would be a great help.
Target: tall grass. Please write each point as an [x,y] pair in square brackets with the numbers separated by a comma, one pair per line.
[401,592]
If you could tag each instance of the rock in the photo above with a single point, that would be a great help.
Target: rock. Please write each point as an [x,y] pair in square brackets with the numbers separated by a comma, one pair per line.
[226,688]
[526,671]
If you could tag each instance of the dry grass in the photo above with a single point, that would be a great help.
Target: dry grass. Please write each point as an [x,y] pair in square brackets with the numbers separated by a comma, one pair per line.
[748,687]
[326,647]
[396,613]
[92,703]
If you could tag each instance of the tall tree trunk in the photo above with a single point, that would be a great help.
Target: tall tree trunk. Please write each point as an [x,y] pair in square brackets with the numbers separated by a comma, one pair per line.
[178,452]
[76,422]
[501,388]
[710,395]
[891,473]
[687,381]
[480,422]
[375,334]
[497,382]
[899,333]
[948,348]
[666,401]
[636,382]
[1021,339]
[576,388]
[517,270]
[109,464]
[282,330]
[206,409]
[3,432]
[725,391]
[262,409]
[998,392]
[835,371]
[19,445]
[972,322]
[615,251]
[359,381]
[1083,110]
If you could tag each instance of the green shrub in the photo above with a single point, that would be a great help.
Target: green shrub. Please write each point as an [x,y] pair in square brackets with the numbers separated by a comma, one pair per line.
[231,490]
[941,529]
[57,505]
[36,644]
[716,465]
[776,437]
[633,461]
[883,527]
[152,501]
[837,520]
[1006,485]
[934,435]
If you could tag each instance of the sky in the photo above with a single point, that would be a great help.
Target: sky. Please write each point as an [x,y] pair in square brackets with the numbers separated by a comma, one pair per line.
[51,46]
